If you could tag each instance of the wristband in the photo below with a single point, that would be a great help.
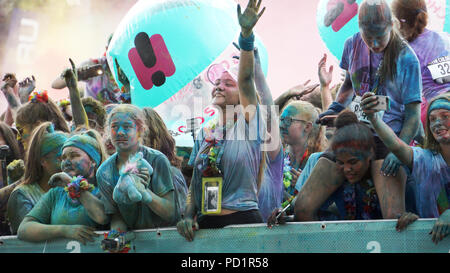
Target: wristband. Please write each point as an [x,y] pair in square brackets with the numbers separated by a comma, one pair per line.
[247,44]
[336,107]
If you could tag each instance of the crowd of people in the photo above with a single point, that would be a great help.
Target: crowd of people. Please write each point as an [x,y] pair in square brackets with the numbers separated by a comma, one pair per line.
[375,146]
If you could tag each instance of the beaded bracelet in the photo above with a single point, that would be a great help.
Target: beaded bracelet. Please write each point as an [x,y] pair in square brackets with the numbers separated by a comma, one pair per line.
[76,186]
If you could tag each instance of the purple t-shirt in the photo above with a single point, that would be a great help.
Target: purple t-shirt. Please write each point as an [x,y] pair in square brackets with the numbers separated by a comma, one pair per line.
[428,47]
[432,176]
[362,65]
[270,194]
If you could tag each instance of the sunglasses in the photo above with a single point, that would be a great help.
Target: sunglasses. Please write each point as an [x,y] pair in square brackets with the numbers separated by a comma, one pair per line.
[288,120]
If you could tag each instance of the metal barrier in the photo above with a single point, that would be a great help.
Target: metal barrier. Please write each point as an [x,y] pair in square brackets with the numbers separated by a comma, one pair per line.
[312,237]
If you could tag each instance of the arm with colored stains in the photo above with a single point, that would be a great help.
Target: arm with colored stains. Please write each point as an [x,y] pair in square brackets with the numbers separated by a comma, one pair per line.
[294,93]
[94,208]
[188,224]
[246,75]
[395,144]
[70,76]
[324,180]
[10,90]
[163,205]
[260,81]
[32,230]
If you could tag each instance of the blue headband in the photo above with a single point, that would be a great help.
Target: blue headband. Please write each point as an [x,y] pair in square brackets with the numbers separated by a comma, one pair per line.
[439,104]
[51,142]
[85,143]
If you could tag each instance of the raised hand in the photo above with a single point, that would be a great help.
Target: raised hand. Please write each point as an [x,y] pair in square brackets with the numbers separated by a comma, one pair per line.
[10,80]
[70,75]
[368,101]
[26,87]
[250,17]
[325,77]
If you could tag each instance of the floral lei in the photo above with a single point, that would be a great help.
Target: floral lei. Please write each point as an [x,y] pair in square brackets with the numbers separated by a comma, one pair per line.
[370,200]
[215,140]
[287,175]
[76,186]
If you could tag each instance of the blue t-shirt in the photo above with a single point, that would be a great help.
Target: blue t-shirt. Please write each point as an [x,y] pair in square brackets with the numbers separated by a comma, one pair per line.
[138,215]
[432,176]
[306,172]
[57,208]
[362,65]
[21,202]
[239,163]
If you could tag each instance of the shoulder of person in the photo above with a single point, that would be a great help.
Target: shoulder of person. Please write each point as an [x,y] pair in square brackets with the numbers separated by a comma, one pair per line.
[152,155]
[407,57]
[106,165]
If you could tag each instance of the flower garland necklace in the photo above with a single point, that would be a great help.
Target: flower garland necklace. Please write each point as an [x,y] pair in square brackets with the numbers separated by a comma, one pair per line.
[370,200]
[211,159]
[287,175]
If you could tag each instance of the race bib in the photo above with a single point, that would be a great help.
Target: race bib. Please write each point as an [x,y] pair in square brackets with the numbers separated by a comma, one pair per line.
[356,108]
[212,195]
[440,67]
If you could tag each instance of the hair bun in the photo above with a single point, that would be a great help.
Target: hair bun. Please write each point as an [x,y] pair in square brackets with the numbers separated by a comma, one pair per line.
[346,117]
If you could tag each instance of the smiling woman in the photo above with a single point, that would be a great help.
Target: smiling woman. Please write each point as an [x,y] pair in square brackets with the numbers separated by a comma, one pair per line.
[430,166]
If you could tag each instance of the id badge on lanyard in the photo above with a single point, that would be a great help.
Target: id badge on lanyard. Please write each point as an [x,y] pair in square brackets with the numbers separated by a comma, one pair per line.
[212,189]
[212,195]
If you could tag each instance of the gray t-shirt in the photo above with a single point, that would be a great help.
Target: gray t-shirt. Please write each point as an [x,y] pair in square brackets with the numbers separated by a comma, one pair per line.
[239,163]
[138,215]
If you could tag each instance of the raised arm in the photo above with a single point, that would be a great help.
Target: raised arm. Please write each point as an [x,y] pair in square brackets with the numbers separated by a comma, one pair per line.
[70,76]
[247,90]
[395,144]
[10,90]
[325,78]
[260,81]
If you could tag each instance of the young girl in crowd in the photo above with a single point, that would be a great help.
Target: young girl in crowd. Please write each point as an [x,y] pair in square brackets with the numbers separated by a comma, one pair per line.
[228,167]
[127,129]
[42,161]
[159,138]
[302,137]
[72,212]
[356,197]
[429,166]
[377,59]
[40,108]
[432,48]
